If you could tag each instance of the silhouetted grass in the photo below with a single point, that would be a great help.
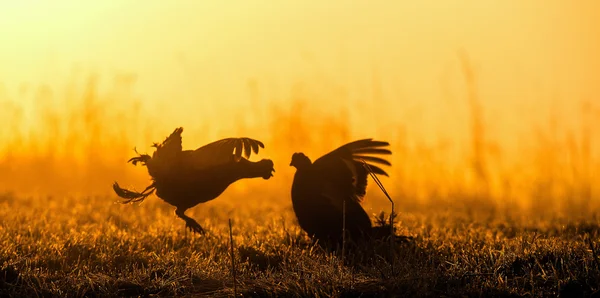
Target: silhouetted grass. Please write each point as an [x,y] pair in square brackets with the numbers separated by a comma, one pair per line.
[91,247]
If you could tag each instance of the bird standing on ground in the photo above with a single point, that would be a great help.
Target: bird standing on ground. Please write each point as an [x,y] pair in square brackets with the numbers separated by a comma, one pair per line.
[185,178]
[334,182]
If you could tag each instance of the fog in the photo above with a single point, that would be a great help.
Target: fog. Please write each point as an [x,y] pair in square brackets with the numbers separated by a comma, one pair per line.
[493,96]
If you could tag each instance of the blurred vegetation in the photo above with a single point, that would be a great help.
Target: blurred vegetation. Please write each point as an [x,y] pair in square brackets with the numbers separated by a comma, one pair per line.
[76,140]
[486,222]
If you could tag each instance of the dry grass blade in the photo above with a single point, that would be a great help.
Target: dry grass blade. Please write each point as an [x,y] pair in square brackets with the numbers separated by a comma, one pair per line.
[233,271]
[380,185]
[392,232]
[343,230]
[593,248]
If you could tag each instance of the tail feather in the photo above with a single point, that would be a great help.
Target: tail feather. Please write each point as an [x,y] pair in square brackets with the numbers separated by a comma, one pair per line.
[141,158]
[133,196]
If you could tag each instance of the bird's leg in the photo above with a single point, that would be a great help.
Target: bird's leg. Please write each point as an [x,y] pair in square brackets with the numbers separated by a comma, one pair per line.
[189,222]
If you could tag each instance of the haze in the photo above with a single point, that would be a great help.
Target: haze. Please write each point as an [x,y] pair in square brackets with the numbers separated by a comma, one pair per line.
[391,69]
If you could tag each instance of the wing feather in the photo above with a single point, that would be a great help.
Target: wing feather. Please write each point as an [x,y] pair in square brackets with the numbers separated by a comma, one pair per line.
[344,172]
[377,170]
[169,154]
[254,145]
[239,145]
[222,151]
[372,159]
[247,148]
[372,151]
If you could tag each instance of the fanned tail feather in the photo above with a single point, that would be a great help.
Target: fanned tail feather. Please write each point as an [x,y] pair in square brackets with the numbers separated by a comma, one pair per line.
[141,158]
[133,196]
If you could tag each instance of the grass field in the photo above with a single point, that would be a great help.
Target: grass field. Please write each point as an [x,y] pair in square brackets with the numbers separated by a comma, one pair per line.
[89,247]
[491,109]
[486,221]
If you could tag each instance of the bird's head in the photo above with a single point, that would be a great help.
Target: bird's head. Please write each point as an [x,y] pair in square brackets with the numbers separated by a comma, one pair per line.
[300,161]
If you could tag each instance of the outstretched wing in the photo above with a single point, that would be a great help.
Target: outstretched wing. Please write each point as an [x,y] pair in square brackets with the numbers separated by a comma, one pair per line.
[222,151]
[342,170]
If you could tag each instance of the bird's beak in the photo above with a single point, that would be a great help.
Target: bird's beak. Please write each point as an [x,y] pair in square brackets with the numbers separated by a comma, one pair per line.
[291,163]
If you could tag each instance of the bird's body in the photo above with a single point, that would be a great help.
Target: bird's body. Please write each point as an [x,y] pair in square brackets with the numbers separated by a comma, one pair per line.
[187,189]
[186,178]
[331,188]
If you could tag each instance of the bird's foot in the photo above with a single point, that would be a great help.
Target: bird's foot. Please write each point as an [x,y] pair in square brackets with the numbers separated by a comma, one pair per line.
[194,227]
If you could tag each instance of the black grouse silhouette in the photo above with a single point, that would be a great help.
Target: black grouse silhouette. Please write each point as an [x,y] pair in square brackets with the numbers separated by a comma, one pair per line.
[320,189]
[185,178]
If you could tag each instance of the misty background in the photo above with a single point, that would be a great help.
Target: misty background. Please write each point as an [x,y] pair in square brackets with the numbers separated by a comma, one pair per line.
[483,101]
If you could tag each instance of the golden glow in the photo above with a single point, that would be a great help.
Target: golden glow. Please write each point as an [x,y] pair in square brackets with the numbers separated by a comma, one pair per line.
[387,69]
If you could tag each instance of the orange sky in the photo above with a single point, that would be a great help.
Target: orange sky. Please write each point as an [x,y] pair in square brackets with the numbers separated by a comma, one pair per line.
[194,59]
[193,50]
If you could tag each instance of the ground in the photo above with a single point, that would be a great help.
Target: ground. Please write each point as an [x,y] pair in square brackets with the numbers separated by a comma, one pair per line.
[90,246]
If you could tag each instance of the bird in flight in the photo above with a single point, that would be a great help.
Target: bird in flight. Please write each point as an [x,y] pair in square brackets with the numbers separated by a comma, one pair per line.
[185,178]
[334,184]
